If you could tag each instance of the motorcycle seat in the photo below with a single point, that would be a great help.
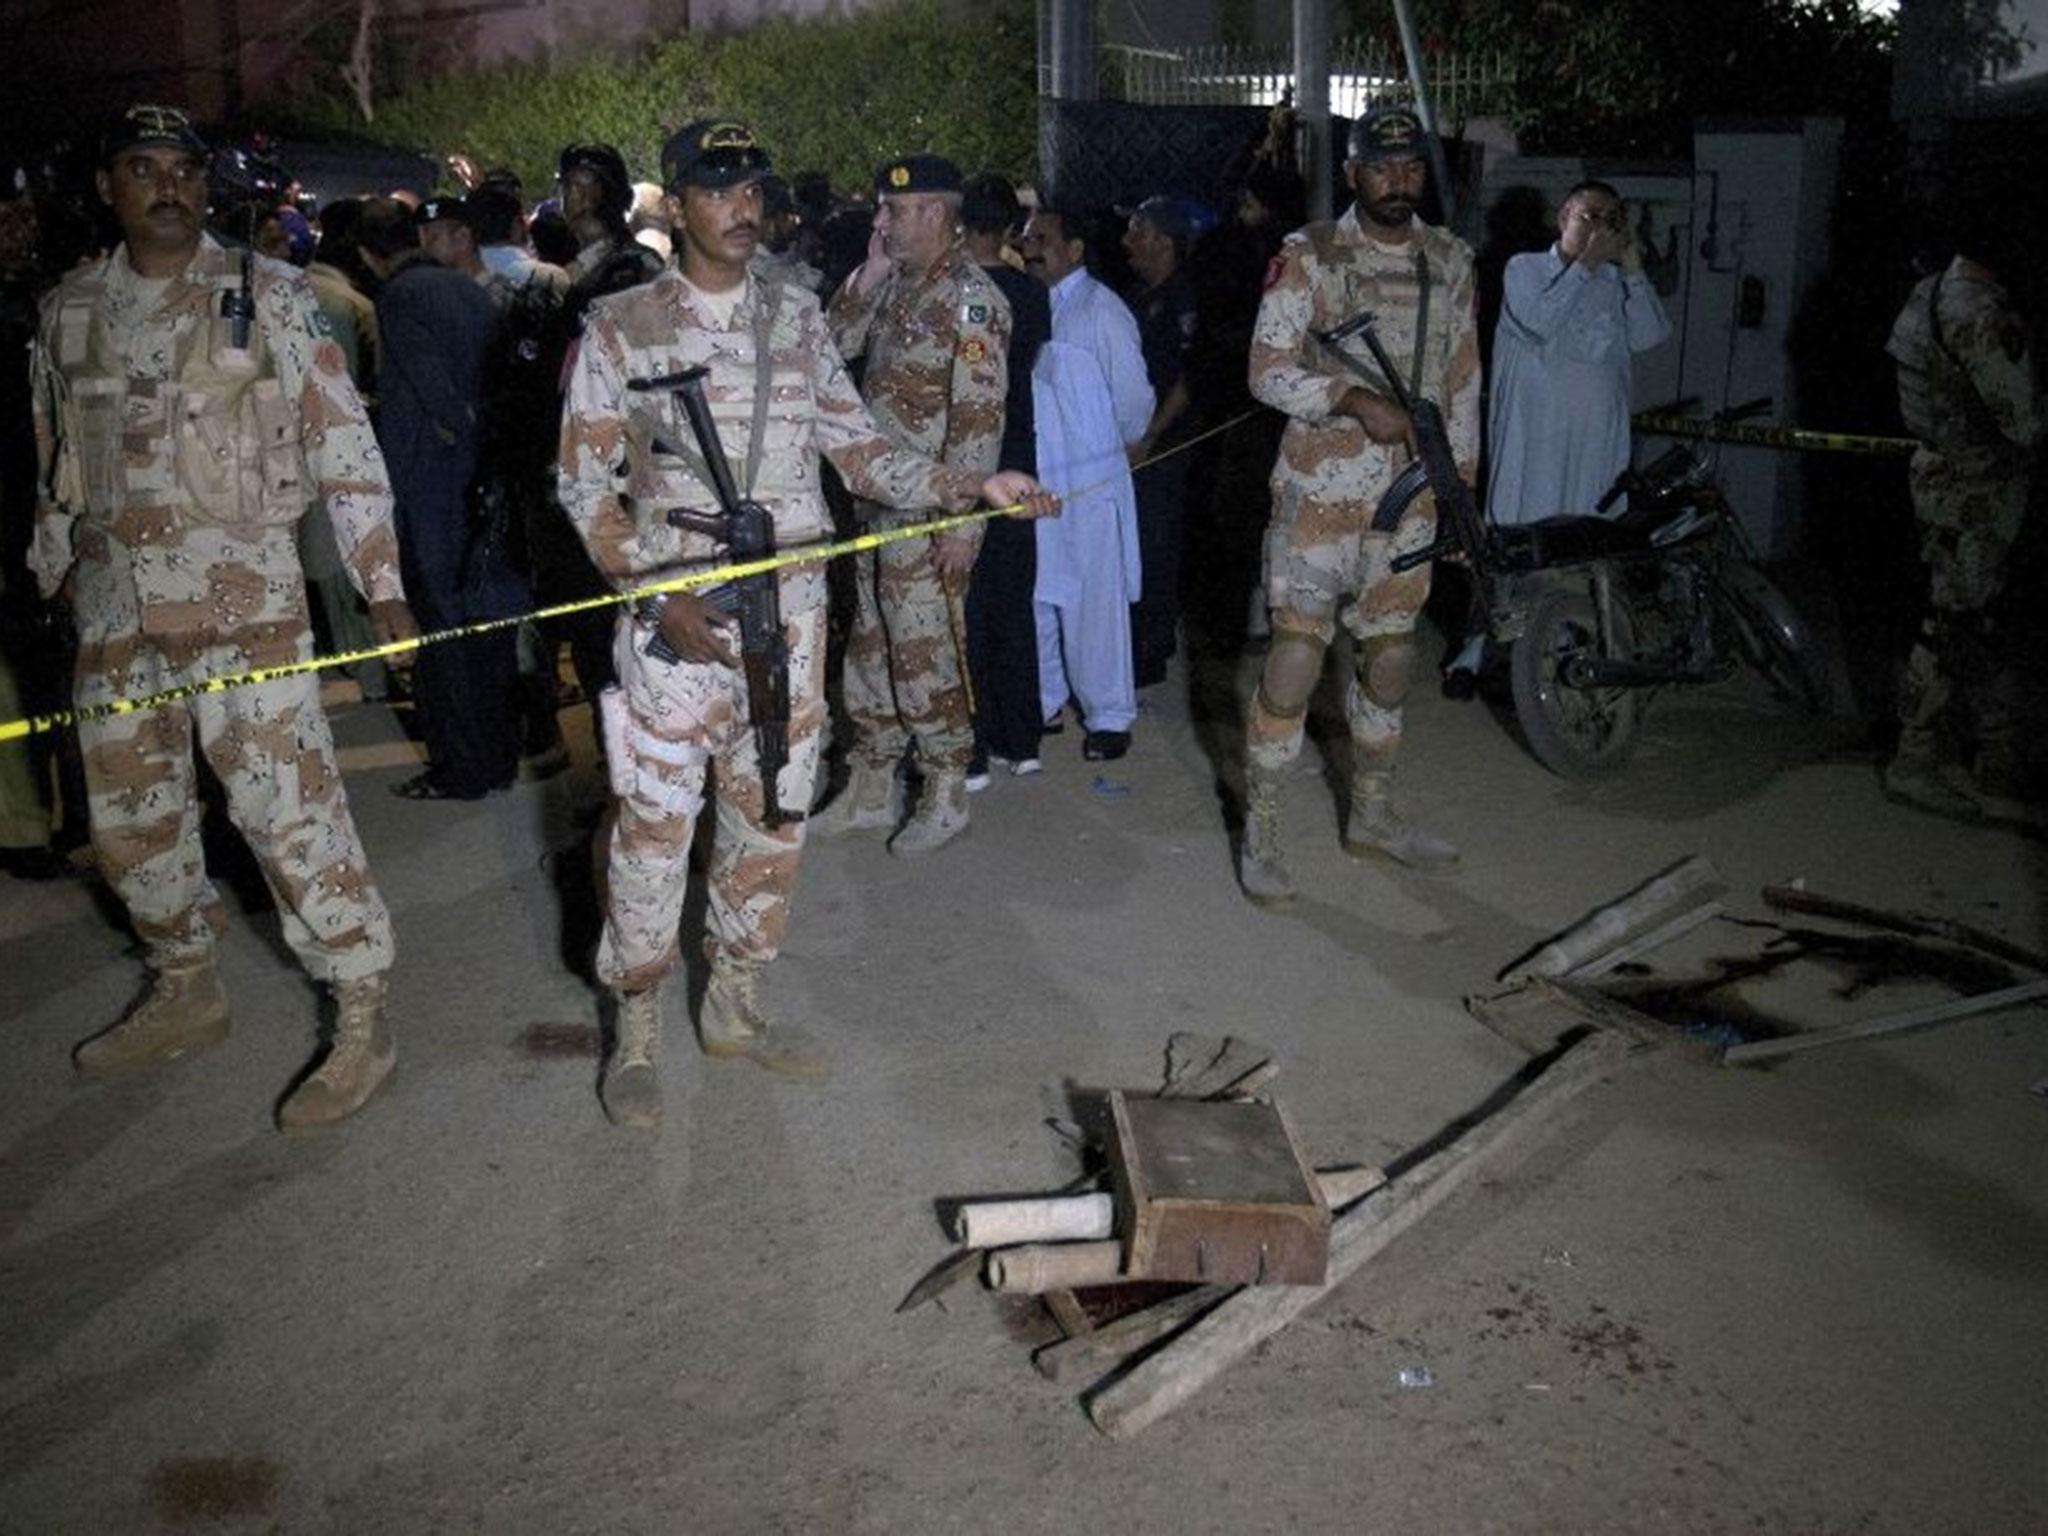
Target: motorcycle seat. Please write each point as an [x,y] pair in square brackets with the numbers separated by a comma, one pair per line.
[1575,538]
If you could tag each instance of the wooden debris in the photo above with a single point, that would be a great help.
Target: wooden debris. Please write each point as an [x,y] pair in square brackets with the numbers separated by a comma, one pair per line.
[1176,1372]
[1887,1024]
[1539,1014]
[1212,1191]
[1642,944]
[1615,923]
[1092,1353]
[1032,1269]
[1794,898]
[1214,1067]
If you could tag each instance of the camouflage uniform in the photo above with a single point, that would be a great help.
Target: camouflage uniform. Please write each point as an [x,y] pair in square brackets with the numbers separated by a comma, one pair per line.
[666,723]
[1330,476]
[173,471]
[1967,391]
[937,347]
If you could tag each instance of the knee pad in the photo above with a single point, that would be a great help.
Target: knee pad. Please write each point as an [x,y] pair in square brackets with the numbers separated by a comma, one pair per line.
[1386,664]
[1293,663]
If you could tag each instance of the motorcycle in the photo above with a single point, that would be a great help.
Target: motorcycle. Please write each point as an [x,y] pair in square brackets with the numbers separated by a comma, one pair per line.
[1594,614]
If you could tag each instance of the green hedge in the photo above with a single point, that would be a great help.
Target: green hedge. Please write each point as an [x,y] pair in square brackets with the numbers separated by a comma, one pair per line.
[840,95]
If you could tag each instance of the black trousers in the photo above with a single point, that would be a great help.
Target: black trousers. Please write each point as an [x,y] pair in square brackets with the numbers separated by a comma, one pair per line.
[1155,616]
[467,695]
[1002,642]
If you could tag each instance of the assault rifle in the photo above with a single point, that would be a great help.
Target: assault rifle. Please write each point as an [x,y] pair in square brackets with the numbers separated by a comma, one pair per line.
[756,601]
[1461,528]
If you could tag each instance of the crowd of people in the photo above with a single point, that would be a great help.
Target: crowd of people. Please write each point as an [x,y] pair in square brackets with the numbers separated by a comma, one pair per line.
[258,437]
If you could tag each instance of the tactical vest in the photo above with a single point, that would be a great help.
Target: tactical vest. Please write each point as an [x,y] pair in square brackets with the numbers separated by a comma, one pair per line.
[216,440]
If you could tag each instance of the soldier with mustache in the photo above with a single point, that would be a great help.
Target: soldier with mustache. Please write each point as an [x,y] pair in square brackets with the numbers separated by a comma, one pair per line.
[188,406]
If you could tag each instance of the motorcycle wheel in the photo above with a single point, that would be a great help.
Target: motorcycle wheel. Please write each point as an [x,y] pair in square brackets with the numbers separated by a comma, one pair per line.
[1773,637]
[1577,733]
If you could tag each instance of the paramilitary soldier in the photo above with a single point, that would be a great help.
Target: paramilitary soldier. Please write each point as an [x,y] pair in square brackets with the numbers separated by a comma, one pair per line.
[1341,450]
[189,405]
[779,396]
[935,330]
[1967,390]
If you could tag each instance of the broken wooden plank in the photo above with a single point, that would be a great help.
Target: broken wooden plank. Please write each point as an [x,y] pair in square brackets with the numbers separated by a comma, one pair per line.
[1610,925]
[1091,1354]
[1174,1374]
[1642,944]
[1072,1317]
[1796,898]
[1887,1024]
[1537,1015]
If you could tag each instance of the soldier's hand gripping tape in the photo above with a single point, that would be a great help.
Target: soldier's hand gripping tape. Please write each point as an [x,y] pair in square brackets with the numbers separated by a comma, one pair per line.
[756,601]
[1459,527]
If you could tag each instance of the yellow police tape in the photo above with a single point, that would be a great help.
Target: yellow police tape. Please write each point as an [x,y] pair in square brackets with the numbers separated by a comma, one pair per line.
[1770,437]
[32,725]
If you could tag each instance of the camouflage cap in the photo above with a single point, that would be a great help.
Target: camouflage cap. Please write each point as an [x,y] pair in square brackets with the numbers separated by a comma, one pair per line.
[1388,133]
[917,173]
[709,153]
[142,126]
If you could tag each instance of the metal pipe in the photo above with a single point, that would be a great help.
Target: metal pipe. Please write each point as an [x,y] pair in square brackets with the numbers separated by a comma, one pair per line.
[1439,163]
[1312,99]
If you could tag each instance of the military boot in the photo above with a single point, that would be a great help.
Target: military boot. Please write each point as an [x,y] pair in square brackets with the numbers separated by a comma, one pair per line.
[631,1089]
[183,1012]
[1913,777]
[1261,865]
[2000,787]
[872,801]
[1378,830]
[733,1024]
[359,1058]
[941,815]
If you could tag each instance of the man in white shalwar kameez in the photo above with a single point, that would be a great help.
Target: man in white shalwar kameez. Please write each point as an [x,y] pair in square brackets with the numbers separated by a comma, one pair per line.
[1093,401]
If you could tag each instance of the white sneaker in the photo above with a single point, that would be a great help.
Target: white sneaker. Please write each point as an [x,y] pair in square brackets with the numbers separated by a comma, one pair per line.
[1024,767]
[976,783]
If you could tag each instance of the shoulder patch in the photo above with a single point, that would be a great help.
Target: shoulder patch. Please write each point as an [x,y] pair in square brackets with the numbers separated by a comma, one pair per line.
[974,314]
[973,349]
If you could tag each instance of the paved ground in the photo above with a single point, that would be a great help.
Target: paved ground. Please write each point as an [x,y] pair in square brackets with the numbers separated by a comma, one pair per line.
[1806,1299]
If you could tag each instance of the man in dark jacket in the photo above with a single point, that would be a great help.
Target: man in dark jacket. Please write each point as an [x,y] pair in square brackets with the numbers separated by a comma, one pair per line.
[436,326]
[1002,626]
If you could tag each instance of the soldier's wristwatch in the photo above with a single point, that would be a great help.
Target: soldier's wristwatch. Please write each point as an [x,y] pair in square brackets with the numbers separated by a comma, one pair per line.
[649,610]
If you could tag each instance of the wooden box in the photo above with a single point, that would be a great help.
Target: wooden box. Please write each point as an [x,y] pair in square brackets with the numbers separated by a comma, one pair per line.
[1214,1192]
